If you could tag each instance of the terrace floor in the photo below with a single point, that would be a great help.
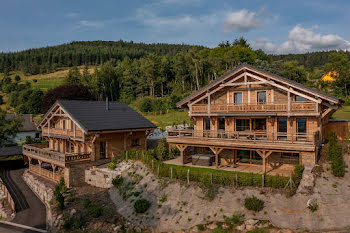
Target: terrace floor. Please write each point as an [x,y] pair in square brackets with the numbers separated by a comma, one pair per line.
[283,170]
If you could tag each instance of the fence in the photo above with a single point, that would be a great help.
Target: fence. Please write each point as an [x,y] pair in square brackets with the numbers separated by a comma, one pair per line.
[8,196]
[207,175]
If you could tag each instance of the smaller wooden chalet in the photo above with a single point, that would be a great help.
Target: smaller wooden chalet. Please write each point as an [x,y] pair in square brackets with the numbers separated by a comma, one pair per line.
[83,133]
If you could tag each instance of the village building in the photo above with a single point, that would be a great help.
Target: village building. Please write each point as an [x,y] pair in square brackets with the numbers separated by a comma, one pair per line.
[251,117]
[81,134]
[27,129]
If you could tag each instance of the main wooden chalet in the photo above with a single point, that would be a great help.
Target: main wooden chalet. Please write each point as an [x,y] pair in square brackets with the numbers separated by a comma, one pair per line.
[82,133]
[251,117]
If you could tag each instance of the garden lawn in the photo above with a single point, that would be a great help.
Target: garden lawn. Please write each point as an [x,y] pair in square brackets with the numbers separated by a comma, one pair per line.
[171,118]
[343,113]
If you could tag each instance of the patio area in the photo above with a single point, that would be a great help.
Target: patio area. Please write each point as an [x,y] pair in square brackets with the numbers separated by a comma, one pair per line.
[283,170]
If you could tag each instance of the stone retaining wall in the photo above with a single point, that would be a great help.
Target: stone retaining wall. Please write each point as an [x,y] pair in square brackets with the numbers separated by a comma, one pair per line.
[43,192]
[102,177]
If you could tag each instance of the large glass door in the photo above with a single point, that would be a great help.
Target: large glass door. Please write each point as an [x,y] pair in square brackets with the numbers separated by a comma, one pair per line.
[102,150]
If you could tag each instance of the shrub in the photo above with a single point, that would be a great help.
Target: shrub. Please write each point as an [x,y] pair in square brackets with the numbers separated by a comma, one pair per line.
[141,206]
[161,150]
[313,207]
[200,227]
[111,166]
[298,170]
[67,223]
[60,201]
[114,160]
[95,211]
[236,219]
[117,181]
[254,203]
[335,155]
[86,202]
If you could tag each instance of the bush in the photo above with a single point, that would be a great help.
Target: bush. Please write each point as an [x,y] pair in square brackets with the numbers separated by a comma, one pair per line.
[95,211]
[313,207]
[254,203]
[60,201]
[298,170]
[60,188]
[117,181]
[236,219]
[335,155]
[114,160]
[86,202]
[141,206]
[111,166]
[161,150]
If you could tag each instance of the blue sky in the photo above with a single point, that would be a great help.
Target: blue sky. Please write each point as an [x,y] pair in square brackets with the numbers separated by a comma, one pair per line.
[275,26]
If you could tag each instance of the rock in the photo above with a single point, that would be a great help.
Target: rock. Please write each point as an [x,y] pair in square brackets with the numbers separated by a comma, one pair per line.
[307,182]
[212,226]
[225,226]
[311,202]
[116,228]
[251,222]
[250,227]
[241,227]
[72,212]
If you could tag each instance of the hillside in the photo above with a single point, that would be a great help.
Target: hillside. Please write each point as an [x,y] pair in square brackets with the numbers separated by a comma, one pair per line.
[47,59]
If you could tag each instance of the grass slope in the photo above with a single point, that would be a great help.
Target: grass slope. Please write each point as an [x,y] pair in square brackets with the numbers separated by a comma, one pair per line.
[343,113]
[171,118]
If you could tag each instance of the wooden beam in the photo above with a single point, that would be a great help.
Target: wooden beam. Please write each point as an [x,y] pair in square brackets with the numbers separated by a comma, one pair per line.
[242,83]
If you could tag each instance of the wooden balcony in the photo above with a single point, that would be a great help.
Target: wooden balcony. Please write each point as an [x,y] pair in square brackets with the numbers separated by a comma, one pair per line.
[275,107]
[66,133]
[43,153]
[244,139]
[45,173]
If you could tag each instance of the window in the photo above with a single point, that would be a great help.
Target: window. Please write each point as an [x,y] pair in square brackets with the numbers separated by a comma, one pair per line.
[237,98]
[282,128]
[207,124]
[261,97]
[102,150]
[69,147]
[135,142]
[299,99]
[259,124]
[37,135]
[242,124]
[221,124]
[63,124]
[289,155]
[301,127]
[282,125]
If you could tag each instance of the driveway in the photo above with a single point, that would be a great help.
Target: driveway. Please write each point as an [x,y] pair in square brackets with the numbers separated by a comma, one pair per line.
[30,210]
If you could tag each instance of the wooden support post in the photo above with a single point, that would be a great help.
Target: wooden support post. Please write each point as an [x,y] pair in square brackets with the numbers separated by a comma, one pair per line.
[216,151]
[181,148]
[40,162]
[208,104]
[53,170]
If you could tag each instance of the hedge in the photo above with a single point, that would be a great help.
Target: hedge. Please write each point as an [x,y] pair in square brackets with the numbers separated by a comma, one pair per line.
[205,175]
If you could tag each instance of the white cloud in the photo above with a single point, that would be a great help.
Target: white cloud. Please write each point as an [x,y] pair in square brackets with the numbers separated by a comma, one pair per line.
[72,15]
[244,20]
[91,24]
[301,40]
[149,18]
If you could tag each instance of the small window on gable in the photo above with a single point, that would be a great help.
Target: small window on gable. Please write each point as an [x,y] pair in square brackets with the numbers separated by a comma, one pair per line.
[261,97]
[299,98]
[237,98]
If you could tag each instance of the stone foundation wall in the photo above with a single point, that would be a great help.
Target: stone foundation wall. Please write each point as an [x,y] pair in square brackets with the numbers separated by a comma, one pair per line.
[102,177]
[43,192]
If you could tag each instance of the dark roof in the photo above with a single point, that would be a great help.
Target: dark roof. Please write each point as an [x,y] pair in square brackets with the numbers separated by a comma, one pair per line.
[9,151]
[27,124]
[93,116]
[243,65]
[338,120]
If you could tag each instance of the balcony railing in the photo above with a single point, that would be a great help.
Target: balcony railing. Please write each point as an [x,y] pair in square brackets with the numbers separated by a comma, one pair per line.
[62,132]
[271,107]
[246,136]
[45,173]
[42,151]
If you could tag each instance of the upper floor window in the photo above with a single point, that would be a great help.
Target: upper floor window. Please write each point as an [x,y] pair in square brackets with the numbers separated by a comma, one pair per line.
[237,98]
[299,98]
[301,125]
[261,97]
[63,124]
[207,123]
[221,124]
[282,125]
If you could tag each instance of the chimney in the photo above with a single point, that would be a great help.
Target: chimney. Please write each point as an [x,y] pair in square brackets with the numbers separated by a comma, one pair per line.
[107,104]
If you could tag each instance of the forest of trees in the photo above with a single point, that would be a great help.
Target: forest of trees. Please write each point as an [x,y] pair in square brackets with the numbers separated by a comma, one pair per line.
[154,77]
[48,59]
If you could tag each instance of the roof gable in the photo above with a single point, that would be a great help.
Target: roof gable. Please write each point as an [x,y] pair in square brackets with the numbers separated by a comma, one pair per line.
[260,75]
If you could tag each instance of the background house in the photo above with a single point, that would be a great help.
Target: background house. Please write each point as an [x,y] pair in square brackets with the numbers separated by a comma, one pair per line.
[28,128]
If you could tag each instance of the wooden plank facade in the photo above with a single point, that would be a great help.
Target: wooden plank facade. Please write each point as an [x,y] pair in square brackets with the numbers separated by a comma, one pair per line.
[69,144]
[248,116]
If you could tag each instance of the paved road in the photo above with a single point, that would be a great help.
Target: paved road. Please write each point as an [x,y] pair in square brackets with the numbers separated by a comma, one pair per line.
[30,210]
